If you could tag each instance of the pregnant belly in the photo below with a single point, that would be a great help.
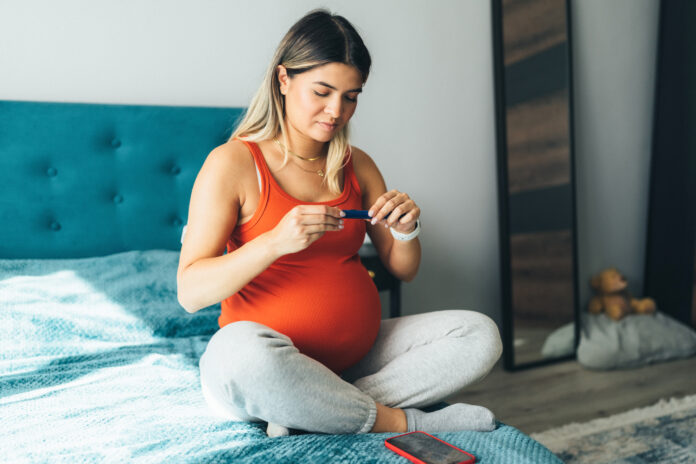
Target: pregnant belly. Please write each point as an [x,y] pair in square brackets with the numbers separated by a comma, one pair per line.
[337,322]
[333,317]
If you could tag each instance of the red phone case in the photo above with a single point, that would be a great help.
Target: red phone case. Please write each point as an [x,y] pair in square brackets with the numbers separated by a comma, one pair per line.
[399,451]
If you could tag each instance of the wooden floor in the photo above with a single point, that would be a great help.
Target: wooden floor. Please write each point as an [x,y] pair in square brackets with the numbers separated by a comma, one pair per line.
[537,399]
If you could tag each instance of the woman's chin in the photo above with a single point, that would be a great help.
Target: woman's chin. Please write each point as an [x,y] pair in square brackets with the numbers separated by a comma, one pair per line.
[322,137]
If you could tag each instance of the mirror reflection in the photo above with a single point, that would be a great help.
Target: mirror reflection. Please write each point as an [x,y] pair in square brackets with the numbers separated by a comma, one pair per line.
[539,180]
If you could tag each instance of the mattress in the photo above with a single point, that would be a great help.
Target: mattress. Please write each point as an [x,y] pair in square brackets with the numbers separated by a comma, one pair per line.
[99,363]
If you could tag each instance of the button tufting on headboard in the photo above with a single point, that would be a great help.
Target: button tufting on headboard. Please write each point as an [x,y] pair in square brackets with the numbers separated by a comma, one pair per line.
[160,150]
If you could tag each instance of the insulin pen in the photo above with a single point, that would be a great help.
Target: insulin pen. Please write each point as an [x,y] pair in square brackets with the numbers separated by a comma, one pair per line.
[356,214]
[361,214]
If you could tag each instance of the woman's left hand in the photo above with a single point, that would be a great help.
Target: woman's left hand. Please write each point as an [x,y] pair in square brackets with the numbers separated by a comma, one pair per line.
[402,211]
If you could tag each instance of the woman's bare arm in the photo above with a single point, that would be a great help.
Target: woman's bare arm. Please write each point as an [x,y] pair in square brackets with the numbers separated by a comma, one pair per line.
[206,276]
[401,258]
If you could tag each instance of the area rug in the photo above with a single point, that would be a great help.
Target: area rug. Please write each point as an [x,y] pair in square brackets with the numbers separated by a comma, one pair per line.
[664,432]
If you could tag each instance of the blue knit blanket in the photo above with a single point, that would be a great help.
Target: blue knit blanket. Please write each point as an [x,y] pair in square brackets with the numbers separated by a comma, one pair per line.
[99,363]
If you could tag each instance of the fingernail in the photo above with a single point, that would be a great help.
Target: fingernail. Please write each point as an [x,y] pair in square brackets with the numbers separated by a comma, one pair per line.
[340,223]
[342,214]
[370,213]
[373,221]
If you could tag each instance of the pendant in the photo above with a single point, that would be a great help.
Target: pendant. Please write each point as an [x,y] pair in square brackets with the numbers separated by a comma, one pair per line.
[320,172]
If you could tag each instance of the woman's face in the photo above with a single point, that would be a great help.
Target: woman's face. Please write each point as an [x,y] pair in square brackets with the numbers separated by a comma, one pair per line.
[319,102]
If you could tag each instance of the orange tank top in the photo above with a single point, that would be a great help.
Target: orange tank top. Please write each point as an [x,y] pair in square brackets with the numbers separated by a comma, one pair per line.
[321,297]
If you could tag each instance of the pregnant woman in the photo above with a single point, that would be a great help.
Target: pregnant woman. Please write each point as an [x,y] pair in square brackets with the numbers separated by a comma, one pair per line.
[301,343]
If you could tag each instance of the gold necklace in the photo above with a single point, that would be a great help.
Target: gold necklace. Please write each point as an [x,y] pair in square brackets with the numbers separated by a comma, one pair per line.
[319,172]
[295,154]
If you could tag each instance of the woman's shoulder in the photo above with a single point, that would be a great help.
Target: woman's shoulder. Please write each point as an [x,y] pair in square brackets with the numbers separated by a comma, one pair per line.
[361,160]
[232,154]
[232,158]
[228,168]
[363,164]
[365,169]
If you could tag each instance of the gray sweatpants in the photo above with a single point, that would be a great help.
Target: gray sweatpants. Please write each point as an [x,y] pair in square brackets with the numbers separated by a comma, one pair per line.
[250,372]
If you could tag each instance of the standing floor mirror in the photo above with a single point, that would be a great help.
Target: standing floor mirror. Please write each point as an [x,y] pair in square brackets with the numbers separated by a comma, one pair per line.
[536,187]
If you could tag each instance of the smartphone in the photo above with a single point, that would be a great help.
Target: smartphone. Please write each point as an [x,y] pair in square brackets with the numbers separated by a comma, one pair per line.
[423,448]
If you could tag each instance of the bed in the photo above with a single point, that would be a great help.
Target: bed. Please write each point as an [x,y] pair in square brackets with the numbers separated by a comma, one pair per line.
[98,362]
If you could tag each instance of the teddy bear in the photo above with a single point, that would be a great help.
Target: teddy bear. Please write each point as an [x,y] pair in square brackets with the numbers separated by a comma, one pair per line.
[612,297]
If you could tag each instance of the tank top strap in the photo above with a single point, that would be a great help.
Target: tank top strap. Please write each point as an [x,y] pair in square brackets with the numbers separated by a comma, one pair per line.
[260,161]
[264,178]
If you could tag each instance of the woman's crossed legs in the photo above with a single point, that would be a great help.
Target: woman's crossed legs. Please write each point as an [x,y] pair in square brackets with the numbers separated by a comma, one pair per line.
[250,372]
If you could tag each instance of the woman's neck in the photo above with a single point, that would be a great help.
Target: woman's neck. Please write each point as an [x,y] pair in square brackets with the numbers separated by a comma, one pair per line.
[303,145]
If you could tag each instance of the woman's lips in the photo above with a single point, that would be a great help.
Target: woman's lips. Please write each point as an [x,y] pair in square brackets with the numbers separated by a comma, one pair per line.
[327,126]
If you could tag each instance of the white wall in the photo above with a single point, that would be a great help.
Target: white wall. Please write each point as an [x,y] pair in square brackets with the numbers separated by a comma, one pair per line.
[614,52]
[426,114]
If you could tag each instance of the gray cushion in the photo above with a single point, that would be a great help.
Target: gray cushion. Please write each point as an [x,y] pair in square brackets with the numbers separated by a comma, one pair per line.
[560,343]
[633,341]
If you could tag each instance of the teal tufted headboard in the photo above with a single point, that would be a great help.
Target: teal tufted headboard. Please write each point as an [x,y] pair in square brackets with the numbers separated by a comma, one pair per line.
[81,180]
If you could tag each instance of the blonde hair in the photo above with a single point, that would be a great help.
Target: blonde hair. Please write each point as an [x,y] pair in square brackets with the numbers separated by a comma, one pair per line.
[316,39]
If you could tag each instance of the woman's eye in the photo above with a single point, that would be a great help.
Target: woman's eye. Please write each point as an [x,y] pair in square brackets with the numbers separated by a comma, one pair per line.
[326,95]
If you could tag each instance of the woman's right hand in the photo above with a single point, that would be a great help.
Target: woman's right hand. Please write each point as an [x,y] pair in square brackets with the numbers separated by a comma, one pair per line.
[304,225]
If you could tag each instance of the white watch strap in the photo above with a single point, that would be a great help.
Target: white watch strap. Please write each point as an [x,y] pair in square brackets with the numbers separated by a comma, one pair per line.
[406,237]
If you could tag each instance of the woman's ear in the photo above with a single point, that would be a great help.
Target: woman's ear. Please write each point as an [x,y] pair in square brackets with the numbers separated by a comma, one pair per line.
[283,78]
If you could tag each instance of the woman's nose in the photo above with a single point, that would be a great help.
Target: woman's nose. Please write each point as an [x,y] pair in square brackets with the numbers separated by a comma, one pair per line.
[333,109]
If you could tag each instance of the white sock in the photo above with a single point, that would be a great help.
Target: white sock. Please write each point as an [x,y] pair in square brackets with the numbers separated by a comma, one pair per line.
[275,430]
[458,416]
